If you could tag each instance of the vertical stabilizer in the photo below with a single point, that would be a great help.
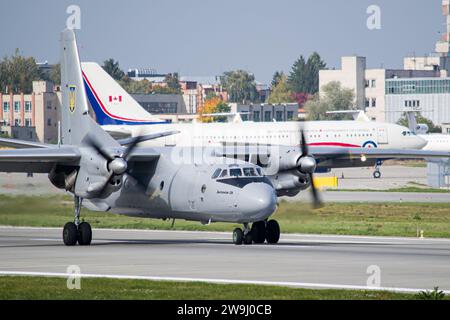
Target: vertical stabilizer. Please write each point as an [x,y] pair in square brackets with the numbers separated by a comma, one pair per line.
[75,120]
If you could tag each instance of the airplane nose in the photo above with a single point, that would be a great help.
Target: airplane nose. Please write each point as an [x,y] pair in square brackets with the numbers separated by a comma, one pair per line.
[258,201]
[419,143]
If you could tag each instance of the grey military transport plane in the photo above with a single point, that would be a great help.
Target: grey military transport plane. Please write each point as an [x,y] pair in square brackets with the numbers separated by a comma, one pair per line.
[236,183]
[108,175]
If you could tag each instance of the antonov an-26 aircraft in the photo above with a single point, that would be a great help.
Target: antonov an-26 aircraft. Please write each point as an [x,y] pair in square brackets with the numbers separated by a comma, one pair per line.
[218,183]
[108,175]
[121,116]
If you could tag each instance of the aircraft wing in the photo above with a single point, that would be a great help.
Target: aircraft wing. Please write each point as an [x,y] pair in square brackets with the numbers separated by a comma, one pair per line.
[144,154]
[146,137]
[329,158]
[18,144]
[118,132]
[381,154]
[38,160]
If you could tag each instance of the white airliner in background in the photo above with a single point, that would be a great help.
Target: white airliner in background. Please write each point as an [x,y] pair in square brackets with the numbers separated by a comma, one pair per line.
[122,116]
[435,141]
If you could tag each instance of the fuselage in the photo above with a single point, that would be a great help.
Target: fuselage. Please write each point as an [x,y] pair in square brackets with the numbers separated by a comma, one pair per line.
[216,190]
[350,134]
[436,142]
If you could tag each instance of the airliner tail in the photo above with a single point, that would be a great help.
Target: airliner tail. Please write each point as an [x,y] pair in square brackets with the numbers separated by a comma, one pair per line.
[111,103]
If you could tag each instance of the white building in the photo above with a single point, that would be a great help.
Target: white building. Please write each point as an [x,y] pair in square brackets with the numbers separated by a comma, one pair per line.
[370,87]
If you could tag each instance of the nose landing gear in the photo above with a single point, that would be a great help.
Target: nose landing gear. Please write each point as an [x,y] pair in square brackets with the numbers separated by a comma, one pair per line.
[260,232]
[77,231]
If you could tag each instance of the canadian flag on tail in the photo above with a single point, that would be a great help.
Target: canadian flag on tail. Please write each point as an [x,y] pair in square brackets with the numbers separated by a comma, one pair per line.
[115,99]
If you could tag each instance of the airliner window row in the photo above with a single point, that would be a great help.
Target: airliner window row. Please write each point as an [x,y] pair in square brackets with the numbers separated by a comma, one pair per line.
[351,135]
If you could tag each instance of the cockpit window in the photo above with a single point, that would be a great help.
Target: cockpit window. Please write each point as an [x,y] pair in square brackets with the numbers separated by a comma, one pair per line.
[409,133]
[224,173]
[235,172]
[250,172]
[259,171]
[216,173]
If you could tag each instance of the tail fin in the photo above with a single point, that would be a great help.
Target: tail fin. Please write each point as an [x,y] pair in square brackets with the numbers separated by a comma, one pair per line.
[111,103]
[75,120]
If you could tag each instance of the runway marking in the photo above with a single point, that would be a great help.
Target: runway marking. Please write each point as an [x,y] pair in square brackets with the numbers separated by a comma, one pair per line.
[217,281]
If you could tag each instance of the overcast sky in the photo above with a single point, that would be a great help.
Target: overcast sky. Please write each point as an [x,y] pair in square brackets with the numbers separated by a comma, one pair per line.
[208,37]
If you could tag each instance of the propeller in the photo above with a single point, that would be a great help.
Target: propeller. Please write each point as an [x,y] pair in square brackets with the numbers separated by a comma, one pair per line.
[307,165]
[117,165]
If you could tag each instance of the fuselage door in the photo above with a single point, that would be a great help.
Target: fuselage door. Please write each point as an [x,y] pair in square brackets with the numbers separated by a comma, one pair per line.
[382,135]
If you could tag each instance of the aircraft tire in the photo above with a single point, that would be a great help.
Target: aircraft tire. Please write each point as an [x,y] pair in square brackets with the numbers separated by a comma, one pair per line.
[377,174]
[248,238]
[238,236]
[258,232]
[84,234]
[70,234]
[272,232]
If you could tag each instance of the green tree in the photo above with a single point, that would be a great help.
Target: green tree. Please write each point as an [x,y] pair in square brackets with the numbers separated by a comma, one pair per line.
[113,69]
[281,93]
[55,75]
[136,87]
[297,76]
[222,107]
[313,66]
[277,77]
[240,85]
[432,128]
[304,75]
[334,98]
[164,90]
[18,73]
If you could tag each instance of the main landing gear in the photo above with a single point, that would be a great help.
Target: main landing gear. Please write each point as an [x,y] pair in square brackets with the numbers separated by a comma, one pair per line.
[377,172]
[77,231]
[260,232]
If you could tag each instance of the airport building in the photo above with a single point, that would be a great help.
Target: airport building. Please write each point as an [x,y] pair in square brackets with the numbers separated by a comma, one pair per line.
[386,93]
[422,85]
[161,103]
[31,116]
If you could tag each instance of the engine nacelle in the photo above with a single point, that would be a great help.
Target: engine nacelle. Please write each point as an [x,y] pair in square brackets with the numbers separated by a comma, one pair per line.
[290,183]
[422,128]
[291,160]
[286,161]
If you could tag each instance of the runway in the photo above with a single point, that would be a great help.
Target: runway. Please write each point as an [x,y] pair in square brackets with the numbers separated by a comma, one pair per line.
[298,260]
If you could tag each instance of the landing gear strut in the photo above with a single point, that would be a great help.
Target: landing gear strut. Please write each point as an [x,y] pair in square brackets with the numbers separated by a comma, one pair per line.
[377,172]
[77,231]
[260,232]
